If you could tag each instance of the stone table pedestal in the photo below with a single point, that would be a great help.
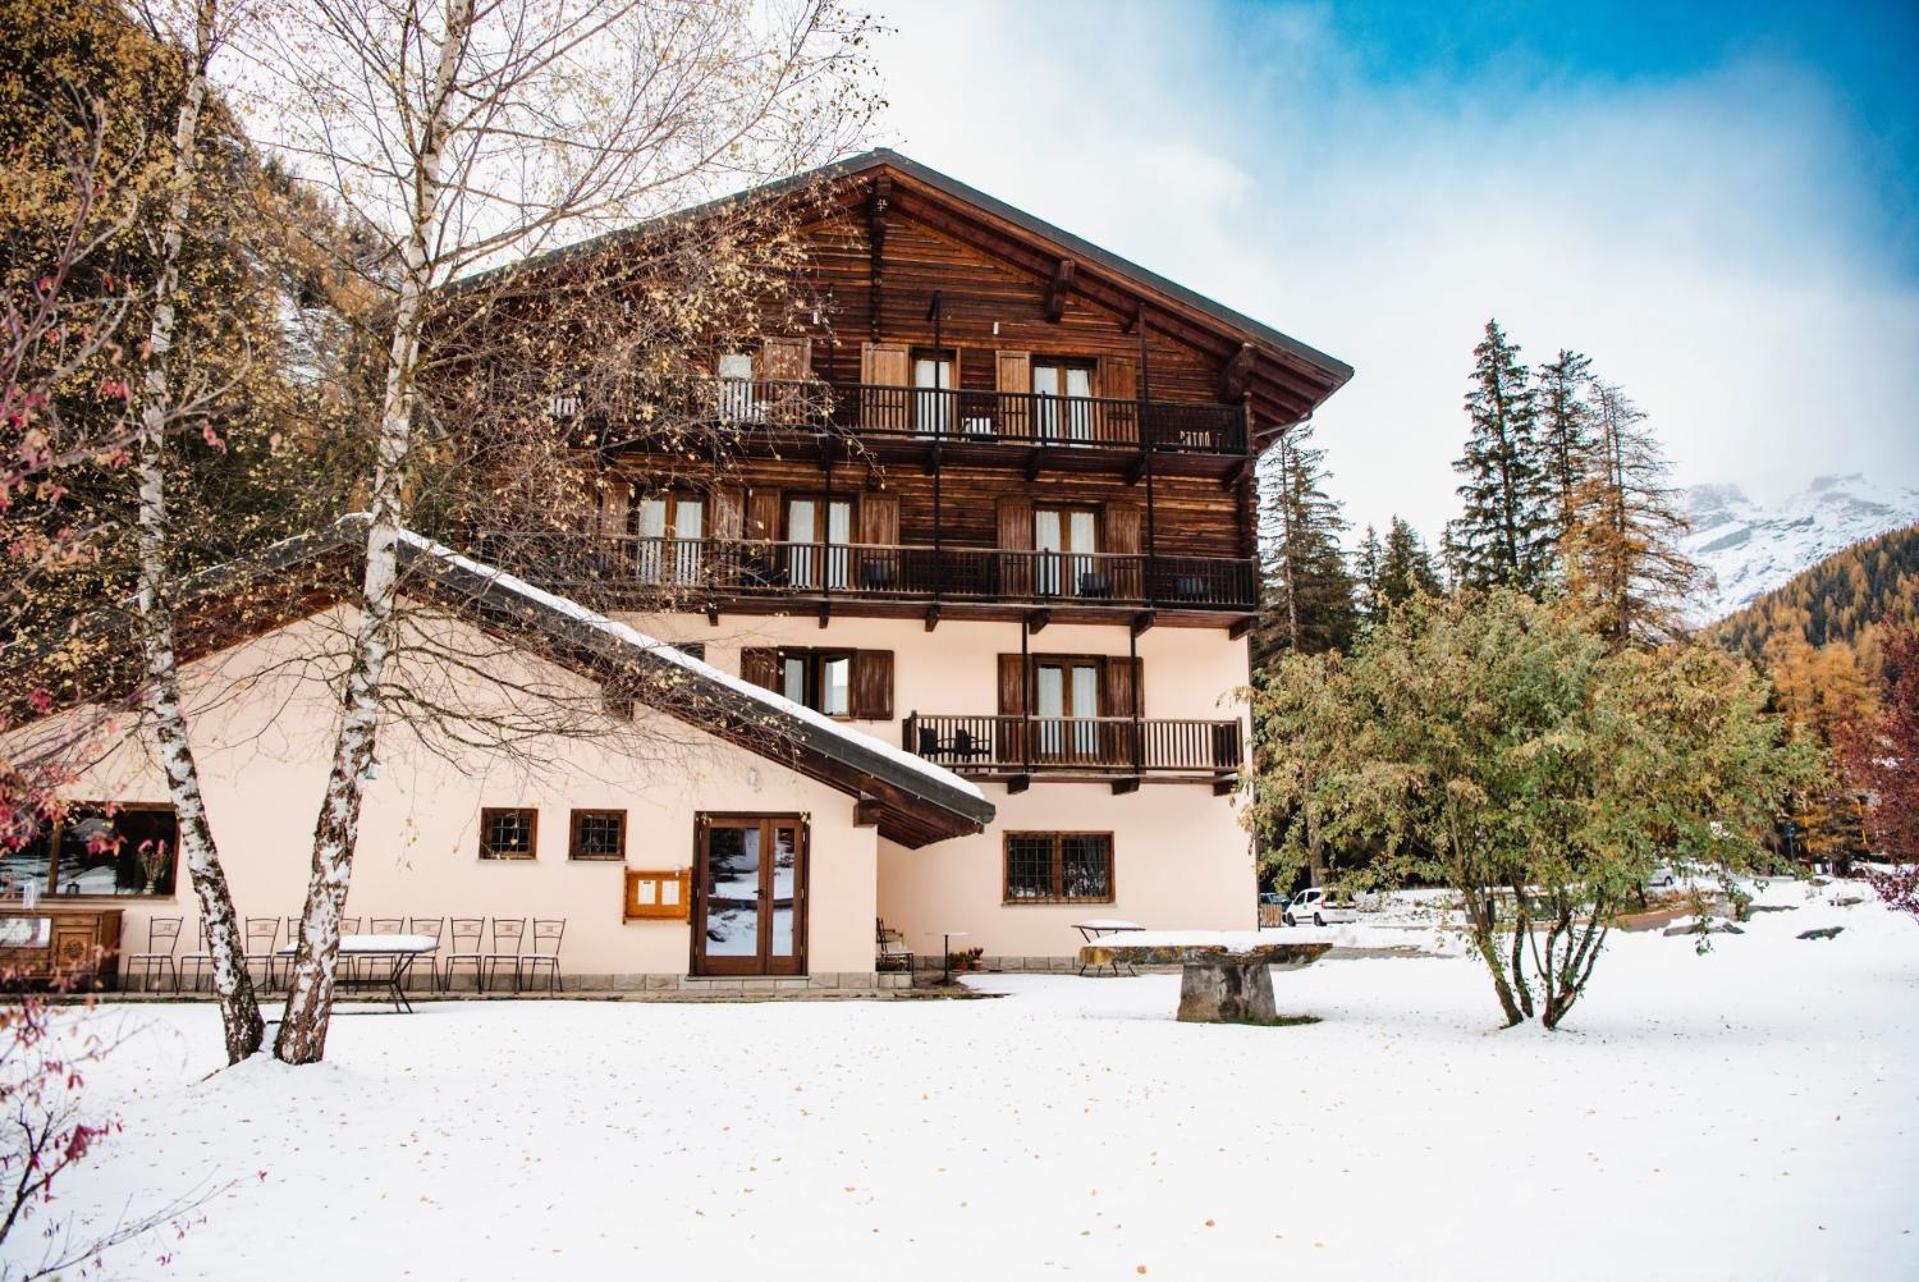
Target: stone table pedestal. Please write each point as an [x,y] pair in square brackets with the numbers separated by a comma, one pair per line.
[1219,983]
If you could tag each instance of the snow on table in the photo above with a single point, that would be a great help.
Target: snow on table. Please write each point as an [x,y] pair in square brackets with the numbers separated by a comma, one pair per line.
[1070,1129]
[378,944]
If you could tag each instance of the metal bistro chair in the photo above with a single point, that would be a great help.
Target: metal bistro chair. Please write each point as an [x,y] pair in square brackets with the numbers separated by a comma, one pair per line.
[892,952]
[546,952]
[201,959]
[163,937]
[432,928]
[263,934]
[467,934]
[506,931]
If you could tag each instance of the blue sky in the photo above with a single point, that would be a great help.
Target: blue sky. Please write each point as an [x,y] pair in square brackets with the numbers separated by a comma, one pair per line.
[1718,202]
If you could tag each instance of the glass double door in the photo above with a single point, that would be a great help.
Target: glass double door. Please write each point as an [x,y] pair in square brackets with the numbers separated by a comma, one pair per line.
[750,905]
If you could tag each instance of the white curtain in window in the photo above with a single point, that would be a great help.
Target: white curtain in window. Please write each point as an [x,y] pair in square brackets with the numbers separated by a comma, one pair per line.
[800,525]
[689,517]
[736,385]
[834,676]
[1085,707]
[839,533]
[649,525]
[932,410]
[1079,411]
[1046,542]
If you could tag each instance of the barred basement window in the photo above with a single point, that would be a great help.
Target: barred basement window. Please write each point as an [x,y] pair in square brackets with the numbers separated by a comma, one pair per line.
[508,833]
[1059,868]
[598,834]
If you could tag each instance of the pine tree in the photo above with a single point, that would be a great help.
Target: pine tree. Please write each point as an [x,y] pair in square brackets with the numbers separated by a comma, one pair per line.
[1565,427]
[1306,604]
[1406,567]
[1623,560]
[1505,536]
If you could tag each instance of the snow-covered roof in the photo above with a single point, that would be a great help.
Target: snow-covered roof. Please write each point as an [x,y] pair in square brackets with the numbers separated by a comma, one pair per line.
[655,649]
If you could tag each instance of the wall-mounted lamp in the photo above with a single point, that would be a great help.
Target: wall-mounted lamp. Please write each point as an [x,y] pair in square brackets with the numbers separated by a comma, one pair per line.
[995,329]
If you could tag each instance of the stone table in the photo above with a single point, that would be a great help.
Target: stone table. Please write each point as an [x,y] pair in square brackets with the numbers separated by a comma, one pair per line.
[1224,978]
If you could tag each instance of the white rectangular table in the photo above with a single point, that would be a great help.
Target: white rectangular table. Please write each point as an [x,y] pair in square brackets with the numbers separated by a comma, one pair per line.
[390,961]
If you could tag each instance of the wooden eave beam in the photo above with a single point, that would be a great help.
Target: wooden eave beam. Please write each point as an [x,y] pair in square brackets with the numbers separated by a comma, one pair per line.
[1036,621]
[1058,287]
[1238,373]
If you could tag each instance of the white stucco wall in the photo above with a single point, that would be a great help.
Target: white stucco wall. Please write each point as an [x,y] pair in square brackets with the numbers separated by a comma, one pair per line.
[1181,857]
[262,729]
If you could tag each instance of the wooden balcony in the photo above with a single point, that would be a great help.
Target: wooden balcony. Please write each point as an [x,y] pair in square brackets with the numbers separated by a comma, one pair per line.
[689,573]
[966,419]
[1124,749]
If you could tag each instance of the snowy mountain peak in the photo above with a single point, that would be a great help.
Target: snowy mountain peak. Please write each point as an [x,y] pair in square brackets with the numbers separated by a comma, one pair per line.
[1751,548]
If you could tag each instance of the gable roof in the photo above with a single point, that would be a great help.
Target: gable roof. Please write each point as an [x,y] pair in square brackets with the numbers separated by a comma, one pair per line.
[1297,377]
[910,800]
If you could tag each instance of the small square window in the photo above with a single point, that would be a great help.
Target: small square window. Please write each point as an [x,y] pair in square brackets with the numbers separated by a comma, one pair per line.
[509,833]
[1059,868]
[598,834]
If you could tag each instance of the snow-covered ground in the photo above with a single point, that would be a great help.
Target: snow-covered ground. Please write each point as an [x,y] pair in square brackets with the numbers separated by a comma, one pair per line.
[1748,1114]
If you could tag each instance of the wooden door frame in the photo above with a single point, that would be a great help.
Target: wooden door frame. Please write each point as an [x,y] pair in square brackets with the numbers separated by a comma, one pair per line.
[761,964]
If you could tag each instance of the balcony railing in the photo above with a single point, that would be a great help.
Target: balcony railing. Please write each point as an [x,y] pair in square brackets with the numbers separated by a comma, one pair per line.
[584,563]
[977,417]
[1024,745]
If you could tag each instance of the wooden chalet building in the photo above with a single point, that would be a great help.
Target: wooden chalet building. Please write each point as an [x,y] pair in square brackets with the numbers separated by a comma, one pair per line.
[995,503]
[987,515]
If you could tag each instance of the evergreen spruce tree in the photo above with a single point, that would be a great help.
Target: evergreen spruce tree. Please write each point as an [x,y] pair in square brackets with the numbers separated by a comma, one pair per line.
[1506,536]
[1405,568]
[1306,600]
[1366,578]
[1623,561]
[1565,428]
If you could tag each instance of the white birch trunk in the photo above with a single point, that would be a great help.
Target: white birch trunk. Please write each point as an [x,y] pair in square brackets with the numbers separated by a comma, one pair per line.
[303,1031]
[239,1011]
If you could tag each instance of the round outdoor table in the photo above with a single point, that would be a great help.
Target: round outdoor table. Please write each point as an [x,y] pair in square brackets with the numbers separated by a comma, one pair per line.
[1223,979]
[946,951]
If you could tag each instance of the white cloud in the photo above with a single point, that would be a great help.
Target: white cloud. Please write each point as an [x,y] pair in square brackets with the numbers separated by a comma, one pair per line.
[1702,239]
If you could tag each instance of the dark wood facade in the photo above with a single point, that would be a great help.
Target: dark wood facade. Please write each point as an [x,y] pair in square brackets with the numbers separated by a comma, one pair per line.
[984,417]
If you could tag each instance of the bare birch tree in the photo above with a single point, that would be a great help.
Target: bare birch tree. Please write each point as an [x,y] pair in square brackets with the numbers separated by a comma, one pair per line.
[474,132]
[198,35]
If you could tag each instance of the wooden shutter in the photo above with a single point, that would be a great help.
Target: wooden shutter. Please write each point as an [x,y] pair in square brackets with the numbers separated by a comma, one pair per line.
[880,518]
[1119,378]
[1012,703]
[873,685]
[1120,687]
[786,358]
[760,666]
[880,568]
[763,514]
[1119,381]
[1016,542]
[1013,373]
[884,366]
[729,514]
[1122,536]
[615,498]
